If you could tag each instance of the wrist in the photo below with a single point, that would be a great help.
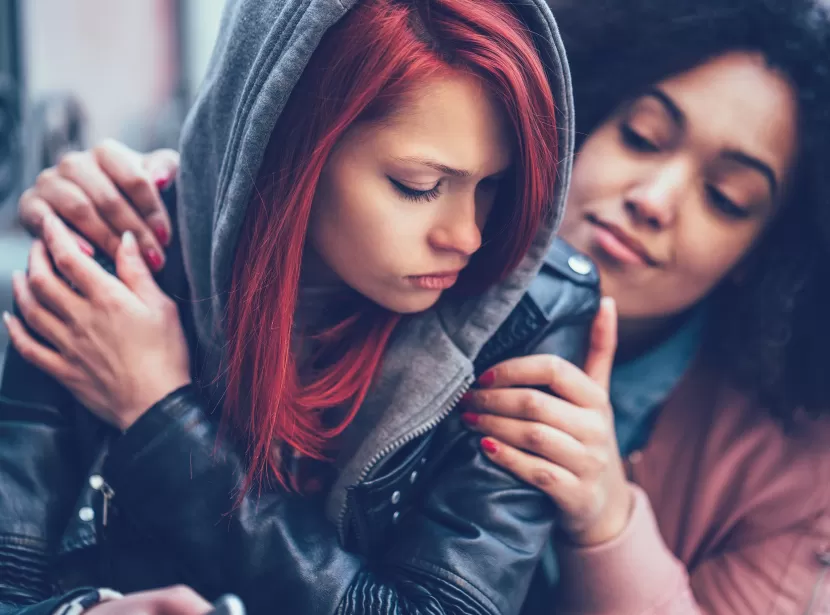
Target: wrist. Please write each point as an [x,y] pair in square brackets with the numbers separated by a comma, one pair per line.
[610,524]
[128,417]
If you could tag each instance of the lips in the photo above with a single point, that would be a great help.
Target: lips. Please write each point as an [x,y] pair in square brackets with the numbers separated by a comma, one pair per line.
[435,281]
[620,245]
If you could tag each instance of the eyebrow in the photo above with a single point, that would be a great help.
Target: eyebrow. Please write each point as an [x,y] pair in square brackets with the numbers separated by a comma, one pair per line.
[679,118]
[434,164]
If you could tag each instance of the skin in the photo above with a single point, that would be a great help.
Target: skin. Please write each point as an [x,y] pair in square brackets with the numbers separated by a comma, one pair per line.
[383,213]
[676,180]
[665,181]
[665,187]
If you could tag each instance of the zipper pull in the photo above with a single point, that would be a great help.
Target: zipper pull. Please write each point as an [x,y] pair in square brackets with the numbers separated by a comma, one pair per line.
[97,482]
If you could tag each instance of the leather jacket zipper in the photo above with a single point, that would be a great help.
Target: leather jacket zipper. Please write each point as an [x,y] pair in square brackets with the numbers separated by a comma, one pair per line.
[98,483]
[419,431]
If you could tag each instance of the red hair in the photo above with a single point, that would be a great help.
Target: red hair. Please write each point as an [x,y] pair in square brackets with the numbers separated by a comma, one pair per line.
[362,70]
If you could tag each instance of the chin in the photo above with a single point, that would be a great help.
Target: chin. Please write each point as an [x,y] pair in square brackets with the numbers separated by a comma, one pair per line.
[409,303]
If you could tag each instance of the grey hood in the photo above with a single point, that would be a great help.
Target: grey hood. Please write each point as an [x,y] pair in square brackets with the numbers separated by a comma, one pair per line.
[261,51]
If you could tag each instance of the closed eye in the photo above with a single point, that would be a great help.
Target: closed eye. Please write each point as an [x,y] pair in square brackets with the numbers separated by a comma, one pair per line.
[416,195]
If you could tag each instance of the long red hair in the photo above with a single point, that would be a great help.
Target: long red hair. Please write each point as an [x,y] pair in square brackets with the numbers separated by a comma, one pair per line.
[363,68]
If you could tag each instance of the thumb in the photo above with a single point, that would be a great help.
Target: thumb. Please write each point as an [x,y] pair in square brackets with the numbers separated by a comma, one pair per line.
[132,270]
[603,343]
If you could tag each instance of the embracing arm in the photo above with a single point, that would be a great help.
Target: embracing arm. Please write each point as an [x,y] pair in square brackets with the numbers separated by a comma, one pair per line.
[453,554]
[637,574]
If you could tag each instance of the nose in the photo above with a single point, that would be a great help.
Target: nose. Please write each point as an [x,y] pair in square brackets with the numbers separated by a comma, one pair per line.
[655,198]
[459,228]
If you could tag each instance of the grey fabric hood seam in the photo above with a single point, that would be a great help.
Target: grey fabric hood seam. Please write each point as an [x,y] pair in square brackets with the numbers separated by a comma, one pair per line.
[262,48]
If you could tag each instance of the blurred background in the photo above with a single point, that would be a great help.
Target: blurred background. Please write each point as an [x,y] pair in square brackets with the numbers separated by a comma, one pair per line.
[73,72]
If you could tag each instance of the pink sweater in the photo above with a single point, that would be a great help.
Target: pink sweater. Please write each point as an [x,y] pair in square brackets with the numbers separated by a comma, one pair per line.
[731,516]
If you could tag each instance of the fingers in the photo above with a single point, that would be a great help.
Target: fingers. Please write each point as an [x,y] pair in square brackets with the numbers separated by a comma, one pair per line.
[553,445]
[43,323]
[132,270]
[57,195]
[531,405]
[129,172]
[52,292]
[82,169]
[34,352]
[603,344]
[557,482]
[80,271]
[563,378]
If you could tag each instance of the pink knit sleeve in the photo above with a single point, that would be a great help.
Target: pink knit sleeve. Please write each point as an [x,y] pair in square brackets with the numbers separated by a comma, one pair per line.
[633,574]
[636,574]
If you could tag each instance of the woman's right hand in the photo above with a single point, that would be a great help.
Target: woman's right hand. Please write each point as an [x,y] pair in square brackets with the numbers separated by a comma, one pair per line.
[179,600]
[103,192]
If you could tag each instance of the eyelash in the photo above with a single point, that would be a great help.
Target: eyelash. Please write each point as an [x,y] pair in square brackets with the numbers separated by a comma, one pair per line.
[725,205]
[641,144]
[636,141]
[417,195]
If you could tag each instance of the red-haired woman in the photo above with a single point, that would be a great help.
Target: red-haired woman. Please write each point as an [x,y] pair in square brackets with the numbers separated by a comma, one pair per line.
[357,184]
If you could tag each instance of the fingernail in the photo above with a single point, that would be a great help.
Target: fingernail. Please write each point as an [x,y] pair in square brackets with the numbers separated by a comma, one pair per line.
[471,418]
[86,247]
[160,231]
[128,239]
[489,446]
[465,399]
[163,179]
[154,259]
[7,318]
[487,378]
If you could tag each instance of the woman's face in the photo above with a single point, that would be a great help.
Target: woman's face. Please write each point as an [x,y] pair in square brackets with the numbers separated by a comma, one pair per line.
[672,191]
[401,203]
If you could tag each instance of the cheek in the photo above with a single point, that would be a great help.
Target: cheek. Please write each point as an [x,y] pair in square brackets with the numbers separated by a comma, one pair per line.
[358,230]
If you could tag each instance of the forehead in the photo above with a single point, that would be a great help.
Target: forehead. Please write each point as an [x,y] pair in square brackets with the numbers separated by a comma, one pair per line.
[453,118]
[737,101]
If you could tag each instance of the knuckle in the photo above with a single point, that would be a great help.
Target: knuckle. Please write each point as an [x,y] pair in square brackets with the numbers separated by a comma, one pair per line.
[39,282]
[45,177]
[180,593]
[553,364]
[104,148]
[532,405]
[107,204]
[543,477]
[77,210]
[70,163]
[536,436]
[137,181]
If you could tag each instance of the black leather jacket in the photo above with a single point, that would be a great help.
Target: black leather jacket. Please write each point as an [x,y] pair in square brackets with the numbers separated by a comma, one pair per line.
[434,527]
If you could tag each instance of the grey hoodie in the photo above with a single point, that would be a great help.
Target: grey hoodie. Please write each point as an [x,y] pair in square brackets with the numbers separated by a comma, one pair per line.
[262,49]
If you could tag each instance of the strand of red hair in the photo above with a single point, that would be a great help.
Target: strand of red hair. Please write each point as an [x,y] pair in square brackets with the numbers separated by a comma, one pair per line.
[363,69]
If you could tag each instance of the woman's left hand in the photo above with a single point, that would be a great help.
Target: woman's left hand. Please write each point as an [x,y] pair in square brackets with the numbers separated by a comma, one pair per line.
[564,445]
[117,343]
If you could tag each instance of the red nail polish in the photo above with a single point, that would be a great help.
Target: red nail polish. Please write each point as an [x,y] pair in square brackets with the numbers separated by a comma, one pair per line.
[161,233]
[487,378]
[154,259]
[86,248]
[465,399]
[471,418]
[163,180]
[489,446]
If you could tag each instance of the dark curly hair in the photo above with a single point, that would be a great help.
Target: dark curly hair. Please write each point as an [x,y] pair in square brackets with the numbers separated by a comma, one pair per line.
[770,331]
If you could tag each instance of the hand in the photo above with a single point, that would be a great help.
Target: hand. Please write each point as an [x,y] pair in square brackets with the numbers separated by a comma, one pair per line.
[118,344]
[565,445]
[178,600]
[104,192]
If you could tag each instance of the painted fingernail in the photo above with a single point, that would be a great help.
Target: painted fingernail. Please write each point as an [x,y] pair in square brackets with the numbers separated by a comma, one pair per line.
[163,179]
[86,248]
[467,397]
[7,318]
[471,418]
[487,378]
[489,446]
[160,231]
[154,259]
